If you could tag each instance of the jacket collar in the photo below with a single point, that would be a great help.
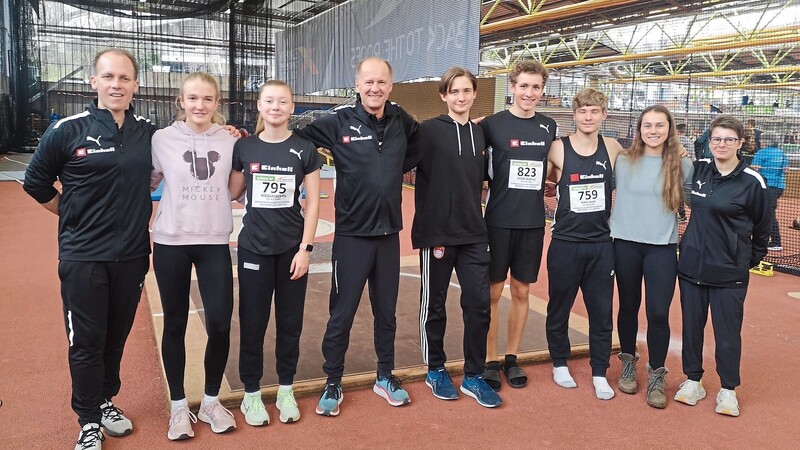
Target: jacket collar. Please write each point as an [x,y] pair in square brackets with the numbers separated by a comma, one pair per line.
[389,109]
[104,115]
[736,171]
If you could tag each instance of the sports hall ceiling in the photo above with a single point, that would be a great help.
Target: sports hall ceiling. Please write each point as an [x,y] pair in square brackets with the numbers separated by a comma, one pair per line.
[608,39]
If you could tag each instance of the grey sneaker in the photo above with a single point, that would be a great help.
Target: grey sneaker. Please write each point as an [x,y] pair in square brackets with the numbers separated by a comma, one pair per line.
[115,423]
[90,438]
[655,387]
[627,380]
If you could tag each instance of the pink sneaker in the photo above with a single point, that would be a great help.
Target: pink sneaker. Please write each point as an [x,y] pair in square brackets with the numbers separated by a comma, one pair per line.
[180,424]
[214,414]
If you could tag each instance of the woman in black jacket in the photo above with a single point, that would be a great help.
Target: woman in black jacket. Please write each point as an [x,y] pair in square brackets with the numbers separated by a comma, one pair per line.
[726,236]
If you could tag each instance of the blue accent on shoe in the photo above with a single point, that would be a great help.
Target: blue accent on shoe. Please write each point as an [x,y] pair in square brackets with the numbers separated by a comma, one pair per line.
[331,399]
[478,389]
[390,389]
[441,385]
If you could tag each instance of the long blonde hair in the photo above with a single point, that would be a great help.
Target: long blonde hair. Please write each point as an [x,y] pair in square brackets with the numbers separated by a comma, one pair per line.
[260,122]
[217,118]
[672,190]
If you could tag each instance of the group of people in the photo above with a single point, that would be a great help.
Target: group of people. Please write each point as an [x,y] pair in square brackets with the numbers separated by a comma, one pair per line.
[108,159]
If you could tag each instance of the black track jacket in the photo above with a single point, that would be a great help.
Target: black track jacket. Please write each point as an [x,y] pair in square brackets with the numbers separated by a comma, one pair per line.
[369,174]
[449,184]
[729,226]
[105,205]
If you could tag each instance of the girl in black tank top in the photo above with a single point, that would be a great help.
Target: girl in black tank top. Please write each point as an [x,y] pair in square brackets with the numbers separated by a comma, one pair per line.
[584,195]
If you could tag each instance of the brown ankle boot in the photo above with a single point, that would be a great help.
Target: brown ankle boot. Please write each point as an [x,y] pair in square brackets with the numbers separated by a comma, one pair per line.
[655,387]
[627,380]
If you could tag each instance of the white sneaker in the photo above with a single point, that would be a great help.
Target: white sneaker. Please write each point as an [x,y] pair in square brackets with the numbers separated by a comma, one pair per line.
[180,424]
[113,421]
[287,405]
[727,404]
[255,414]
[690,392]
[90,438]
[216,415]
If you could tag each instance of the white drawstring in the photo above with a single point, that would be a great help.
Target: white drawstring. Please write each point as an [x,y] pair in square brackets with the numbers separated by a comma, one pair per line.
[458,133]
[472,137]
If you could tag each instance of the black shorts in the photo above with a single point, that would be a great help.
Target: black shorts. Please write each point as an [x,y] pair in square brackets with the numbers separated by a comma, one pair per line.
[519,249]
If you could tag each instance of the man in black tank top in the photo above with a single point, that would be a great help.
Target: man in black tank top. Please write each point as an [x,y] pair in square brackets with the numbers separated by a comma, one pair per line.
[581,255]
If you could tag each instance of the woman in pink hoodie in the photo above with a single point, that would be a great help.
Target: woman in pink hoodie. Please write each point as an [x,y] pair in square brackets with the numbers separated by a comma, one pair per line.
[274,246]
[192,228]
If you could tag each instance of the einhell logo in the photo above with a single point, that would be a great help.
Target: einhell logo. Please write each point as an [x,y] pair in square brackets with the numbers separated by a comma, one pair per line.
[514,143]
[80,152]
[345,139]
[255,167]
[574,177]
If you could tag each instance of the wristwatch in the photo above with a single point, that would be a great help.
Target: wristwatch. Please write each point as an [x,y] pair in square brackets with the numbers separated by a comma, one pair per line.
[307,247]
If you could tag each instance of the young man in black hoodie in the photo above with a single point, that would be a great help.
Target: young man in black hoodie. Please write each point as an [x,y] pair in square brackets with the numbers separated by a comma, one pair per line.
[368,141]
[450,232]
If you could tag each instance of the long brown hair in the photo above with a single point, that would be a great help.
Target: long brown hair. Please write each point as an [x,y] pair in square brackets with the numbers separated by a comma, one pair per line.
[217,118]
[260,122]
[672,190]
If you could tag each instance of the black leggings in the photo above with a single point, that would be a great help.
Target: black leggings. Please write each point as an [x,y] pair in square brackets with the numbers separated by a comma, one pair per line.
[173,268]
[657,264]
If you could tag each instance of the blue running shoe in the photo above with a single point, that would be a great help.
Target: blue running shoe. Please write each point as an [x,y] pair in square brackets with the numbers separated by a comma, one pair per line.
[390,389]
[331,399]
[441,385]
[478,389]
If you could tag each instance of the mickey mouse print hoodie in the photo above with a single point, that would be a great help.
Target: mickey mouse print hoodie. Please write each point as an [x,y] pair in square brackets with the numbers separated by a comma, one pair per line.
[449,184]
[195,206]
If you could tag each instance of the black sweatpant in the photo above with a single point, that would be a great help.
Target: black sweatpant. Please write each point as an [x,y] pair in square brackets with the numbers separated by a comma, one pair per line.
[356,261]
[173,268]
[471,262]
[100,301]
[590,267]
[727,313]
[658,265]
[775,229]
[259,277]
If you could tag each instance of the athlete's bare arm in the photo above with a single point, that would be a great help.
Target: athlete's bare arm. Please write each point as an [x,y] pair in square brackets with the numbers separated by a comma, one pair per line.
[613,148]
[555,160]
[236,184]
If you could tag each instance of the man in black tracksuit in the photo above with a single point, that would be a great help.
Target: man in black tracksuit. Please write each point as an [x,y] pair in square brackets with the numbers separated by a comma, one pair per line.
[102,159]
[450,232]
[368,141]
[727,235]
